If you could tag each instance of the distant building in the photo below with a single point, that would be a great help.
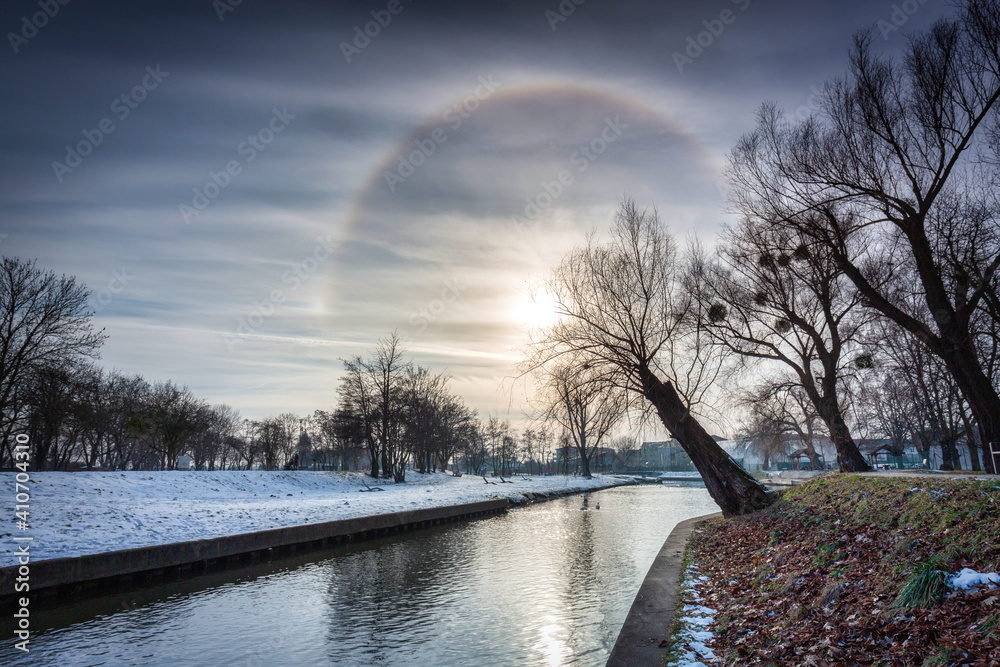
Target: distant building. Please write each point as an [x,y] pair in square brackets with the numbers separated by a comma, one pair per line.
[790,456]
[664,455]
[879,453]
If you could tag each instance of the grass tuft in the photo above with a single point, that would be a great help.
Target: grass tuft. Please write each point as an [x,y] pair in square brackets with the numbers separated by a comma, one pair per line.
[990,625]
[925,587]
[944,656]
[831,594]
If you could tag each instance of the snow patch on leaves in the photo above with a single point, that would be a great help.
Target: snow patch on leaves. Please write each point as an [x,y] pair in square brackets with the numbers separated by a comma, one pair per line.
[693,622]
[968,578]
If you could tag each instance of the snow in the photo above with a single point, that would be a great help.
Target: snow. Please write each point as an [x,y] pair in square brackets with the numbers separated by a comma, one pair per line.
[72,514]
[693,621]
[968,578]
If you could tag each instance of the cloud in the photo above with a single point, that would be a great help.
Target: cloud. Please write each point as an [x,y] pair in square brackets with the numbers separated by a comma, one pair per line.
[486,209]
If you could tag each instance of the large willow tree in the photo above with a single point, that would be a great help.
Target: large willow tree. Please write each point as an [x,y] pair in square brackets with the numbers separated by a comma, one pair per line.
[626,318]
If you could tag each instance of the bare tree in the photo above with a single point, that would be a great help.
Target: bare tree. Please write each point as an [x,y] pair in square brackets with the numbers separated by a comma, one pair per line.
[624,312]
[916,391]
[899,169]
[499,444]
[247,445]
[543,444]
[783,407]
[776,296]
[210,447]
[387,371]
[587,410]
[626,450]
[373,389]
[127,396]
[358,399]
[45,321]
[423,397]
[93,413]
[455,426]
[48,412]
[474,449]
[176,417]
[271,440]
[343,431]
[529,446]
[291,429]
[762,434]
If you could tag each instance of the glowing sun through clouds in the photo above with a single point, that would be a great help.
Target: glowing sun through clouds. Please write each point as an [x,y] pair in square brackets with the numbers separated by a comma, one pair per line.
[535,310]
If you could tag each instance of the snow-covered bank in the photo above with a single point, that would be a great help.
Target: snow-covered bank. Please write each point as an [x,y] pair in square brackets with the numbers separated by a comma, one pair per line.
[72,514]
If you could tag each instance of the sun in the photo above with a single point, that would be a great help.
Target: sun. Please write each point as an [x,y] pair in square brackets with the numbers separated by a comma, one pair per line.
[536,310]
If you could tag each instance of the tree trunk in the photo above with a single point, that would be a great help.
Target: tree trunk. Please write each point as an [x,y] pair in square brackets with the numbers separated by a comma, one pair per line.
[978,391]
[373,460]
[970,440]
[849,458]
[733,489]
[925,455]
[386,465]
[948,455]
[584,464]
[974,456]
[814,460]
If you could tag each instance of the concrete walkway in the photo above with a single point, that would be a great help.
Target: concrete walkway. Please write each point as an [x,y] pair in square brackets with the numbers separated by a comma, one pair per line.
[796,477]
[648,622]
[933,474]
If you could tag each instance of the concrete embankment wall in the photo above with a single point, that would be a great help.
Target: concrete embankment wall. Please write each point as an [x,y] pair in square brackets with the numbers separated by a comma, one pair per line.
[538,497]
[641,640]
[69,576]
[72,575]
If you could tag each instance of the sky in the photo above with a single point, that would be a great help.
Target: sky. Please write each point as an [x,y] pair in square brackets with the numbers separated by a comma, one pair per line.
[255,190]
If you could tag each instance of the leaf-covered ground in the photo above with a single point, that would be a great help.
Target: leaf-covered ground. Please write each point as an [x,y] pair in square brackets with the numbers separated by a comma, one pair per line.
[821,577]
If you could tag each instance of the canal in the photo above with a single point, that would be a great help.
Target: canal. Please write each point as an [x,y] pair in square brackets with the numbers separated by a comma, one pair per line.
[548,585]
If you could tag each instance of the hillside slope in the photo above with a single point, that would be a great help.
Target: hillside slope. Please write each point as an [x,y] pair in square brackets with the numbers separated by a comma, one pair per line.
[850,570]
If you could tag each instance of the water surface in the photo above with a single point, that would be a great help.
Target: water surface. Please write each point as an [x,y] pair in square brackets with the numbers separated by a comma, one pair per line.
[547,585]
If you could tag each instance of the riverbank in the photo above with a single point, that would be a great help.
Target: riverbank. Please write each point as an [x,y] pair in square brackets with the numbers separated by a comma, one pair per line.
[848,570]
[76,514]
